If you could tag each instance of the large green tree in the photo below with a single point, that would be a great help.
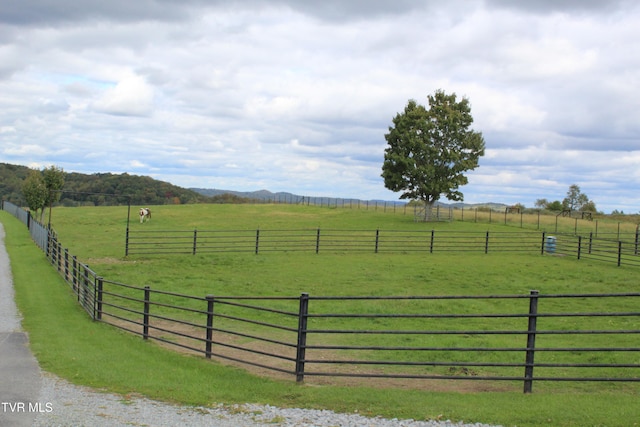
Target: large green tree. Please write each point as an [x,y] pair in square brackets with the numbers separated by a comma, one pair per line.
[430,149]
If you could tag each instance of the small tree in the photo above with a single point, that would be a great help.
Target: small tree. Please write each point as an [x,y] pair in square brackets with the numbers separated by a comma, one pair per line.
[575,199]
[42,189]
[430,149]
[53,177]
[35,192]
[541,203]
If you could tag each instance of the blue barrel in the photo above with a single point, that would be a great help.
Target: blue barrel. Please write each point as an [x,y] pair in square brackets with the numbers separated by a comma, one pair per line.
[550,245]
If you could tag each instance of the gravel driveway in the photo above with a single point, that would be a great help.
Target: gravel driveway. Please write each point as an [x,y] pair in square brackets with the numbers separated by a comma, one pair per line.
[30,397]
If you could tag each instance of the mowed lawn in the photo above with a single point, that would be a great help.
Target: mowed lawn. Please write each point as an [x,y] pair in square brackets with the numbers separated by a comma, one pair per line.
[97,236]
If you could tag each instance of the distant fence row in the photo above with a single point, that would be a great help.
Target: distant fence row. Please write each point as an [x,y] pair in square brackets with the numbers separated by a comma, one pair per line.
[563,221]
[163,242]
[514,339]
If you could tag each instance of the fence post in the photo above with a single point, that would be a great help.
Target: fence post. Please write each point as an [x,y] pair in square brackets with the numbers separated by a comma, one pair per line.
[318,240]
[74,273]
[619,252]
[636,242]
[98,299]
[257,239]
[50,239]
[209,337]
[83,279]
[58,260]
[126,242]
[59,256]
[531,341]
[543,241]
[195,240]
[377,239]
[66,265]
[301,347]
[579,246]
[590,241]
[145,319]
[486,243]
[431,244]
[82,286]
[53,252]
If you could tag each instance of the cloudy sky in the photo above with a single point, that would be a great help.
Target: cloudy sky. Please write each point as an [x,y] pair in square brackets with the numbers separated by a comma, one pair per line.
[293,95]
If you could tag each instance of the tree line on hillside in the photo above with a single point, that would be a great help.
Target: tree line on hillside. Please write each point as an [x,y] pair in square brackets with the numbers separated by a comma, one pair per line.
[32,188]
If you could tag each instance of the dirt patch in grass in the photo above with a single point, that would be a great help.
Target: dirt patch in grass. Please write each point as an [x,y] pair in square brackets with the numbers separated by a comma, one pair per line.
[257,357]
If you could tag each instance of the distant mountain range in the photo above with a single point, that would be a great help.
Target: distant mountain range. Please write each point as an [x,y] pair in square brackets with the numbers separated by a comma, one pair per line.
[285,197]
[104,188]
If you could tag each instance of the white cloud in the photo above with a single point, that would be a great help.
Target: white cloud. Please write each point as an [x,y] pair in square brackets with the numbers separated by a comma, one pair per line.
[131,96]
[297,97]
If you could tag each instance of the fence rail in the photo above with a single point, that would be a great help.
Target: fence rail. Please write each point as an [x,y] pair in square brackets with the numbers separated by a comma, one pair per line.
[620,252]
[148,242]
[604,248]
[518,338]
[511,338]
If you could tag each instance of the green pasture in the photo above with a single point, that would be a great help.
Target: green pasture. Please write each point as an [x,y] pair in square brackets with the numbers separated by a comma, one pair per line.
[357,274]
[82,350]
[110,223]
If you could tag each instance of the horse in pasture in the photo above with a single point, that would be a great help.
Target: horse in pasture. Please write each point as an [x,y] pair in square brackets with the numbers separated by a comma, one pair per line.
[145,215]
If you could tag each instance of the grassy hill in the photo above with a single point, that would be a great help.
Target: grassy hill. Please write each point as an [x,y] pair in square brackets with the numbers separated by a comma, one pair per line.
[107,189]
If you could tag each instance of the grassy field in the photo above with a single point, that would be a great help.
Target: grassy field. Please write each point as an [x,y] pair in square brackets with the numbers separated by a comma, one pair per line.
[96,236]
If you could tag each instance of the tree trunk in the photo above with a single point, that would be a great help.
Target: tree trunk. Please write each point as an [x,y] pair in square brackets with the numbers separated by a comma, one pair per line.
[428,207]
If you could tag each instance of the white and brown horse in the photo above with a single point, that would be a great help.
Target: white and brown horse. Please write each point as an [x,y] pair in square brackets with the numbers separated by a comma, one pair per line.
[145,215]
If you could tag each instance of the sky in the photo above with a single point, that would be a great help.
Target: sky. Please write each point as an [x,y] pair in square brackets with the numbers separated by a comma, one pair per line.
[296,96]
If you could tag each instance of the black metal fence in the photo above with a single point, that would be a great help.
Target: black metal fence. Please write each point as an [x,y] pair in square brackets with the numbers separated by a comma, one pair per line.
[78,275]
[148,242]
[39,233]
[508,338]
[605,247]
